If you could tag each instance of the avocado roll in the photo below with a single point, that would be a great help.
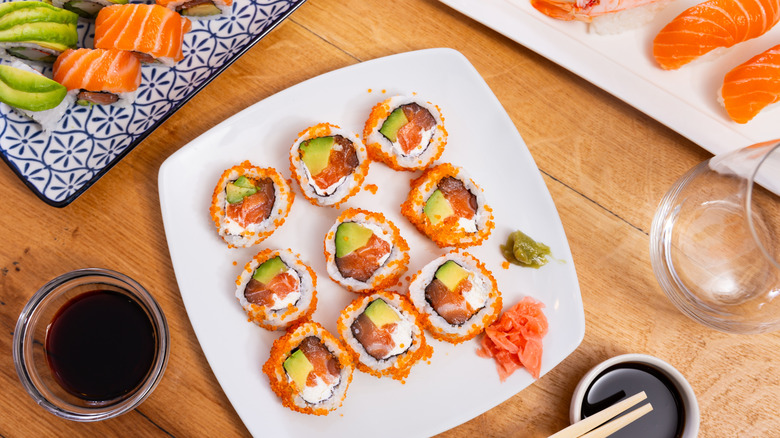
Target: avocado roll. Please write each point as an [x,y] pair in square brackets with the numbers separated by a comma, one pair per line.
[364,251]
[276,289]
[36,31]
[456,296]
[405,132]
[309,369]
[86,8]
[249,203]
[328,163]
[446,205]
[33,95]
[383,334]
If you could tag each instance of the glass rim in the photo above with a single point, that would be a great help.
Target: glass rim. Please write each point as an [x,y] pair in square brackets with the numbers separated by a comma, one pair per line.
[775,149]
[22,345]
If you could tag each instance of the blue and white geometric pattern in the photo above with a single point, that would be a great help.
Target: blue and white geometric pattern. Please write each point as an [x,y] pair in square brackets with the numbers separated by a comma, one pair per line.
[88,141]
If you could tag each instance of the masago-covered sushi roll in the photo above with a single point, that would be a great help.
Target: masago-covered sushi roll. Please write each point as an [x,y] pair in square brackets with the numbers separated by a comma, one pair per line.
[151,32]
[276,289]
[328,163]
[364,251]
[384,335]
[446,205]
[406,133]
[101,77]
[36,31]
[34,95]
[309,369]
[249,204]
[199,9]
[456,296]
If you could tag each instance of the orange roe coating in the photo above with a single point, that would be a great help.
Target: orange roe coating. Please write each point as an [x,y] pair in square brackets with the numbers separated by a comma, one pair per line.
[446,233]
[505,265]
[377,117]
[372,188]
[420,349]
[296,164]
[261,315]
[281,349]
[392,269]
[281,185]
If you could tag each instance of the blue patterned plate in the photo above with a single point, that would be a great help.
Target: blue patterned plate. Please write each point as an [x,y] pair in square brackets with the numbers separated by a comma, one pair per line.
[88,141]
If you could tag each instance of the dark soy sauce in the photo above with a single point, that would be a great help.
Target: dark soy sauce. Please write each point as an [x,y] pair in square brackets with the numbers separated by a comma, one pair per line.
[100,345]
[621,381]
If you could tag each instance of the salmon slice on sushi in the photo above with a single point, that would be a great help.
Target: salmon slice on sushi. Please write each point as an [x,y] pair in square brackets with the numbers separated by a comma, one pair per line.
[276,289]
[752,86]
[151,32]
[456,296]
[383,333]
[328,163]
[309,369]
[249,203]
[364,251]
[101,77]
[199,9]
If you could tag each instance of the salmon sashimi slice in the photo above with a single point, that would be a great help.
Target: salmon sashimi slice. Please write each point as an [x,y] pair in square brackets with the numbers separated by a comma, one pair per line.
[463,202]
[341,163]
[255,208]
[410,135]
[326,366]
[515,339]
[450,305]
[710,25]
[752,86]
[149,29]
[275,291]
[377,341]
[113,71]
[361,263]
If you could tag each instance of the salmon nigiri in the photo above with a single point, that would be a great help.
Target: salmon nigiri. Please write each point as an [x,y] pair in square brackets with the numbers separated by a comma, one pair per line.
[752,86]
[711,25]
[101,76]
[152,32]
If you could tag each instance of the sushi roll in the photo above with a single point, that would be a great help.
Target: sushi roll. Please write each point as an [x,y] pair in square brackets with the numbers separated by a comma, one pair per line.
[328,164]
[276,289]
[456,296]
[36,31]
[383,334]
[309,369]
[86,8]
[199,9]
[364,251]
[34,95]
[406,133]
[249,204]
[446,205]
[101,77]
[151,32]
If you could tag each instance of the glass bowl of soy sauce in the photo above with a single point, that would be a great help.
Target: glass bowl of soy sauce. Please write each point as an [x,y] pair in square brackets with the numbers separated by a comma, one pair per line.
[90,345]
[675,411]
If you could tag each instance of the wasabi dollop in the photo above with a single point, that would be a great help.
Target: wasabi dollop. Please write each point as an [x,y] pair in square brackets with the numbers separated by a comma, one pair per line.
[525,251]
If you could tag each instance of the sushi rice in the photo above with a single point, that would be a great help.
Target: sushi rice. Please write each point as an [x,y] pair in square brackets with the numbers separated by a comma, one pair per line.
[300,304]
[48,119]
[485,292]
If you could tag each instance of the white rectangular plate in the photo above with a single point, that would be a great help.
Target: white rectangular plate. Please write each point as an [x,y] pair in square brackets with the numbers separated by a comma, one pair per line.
[456,385]
[685,100]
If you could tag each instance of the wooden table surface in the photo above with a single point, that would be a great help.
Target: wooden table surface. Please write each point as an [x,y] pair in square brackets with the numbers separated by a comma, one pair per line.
[605,164]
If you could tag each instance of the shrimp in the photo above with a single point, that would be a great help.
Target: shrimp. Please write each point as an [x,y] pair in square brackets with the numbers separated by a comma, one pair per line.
[587,10]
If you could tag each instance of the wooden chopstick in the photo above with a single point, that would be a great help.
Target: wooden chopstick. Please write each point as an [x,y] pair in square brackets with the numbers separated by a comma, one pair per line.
[584,426]
[618,423]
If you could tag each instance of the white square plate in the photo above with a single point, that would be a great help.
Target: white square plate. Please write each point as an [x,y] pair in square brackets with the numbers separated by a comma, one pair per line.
[456,385]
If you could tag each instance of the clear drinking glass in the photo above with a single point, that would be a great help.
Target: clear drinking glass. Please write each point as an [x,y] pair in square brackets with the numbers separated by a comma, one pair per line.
[715,241]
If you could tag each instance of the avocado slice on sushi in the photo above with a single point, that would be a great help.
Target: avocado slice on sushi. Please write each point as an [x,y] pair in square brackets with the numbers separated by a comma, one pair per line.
[315,153]
[298,367]
[239,189]
[393,123]
[381,314]
[205,9]
[451,274]
[36,23]
[29,91]
[437,207]
[269,269]
[351,236]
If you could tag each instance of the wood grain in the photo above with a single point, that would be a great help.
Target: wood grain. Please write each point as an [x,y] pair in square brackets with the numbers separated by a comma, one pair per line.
[606,166]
